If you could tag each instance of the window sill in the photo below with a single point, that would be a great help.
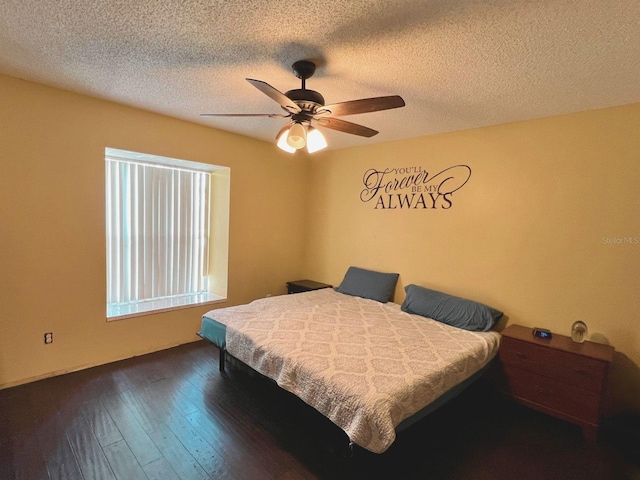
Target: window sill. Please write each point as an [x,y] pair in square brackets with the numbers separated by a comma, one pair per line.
[120,312]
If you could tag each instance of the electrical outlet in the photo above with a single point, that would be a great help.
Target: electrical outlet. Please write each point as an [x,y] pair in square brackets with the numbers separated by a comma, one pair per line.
[48,338]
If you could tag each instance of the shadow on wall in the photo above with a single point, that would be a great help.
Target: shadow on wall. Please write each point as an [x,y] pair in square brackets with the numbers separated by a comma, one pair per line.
[624,382]
[625,385]
[501,324]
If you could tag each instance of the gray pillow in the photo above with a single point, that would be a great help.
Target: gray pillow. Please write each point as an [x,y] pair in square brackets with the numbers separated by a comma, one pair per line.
[368,284]
[455,311]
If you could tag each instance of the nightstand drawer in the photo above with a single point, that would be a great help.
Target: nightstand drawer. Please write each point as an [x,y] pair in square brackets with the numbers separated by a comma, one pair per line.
[556,376]
[559,396]
[576,370]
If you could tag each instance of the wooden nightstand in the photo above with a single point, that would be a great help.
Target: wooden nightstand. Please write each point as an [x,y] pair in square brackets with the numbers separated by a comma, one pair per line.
[305,286]
[557,376]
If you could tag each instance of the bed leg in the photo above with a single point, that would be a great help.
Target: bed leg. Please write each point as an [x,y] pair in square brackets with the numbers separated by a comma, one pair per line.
[222,359]
[351,451]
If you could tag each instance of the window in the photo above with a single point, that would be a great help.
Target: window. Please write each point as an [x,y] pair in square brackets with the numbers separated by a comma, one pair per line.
[161,253]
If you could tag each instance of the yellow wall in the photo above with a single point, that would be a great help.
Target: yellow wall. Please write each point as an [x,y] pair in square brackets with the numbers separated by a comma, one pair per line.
[52,239]
[524,235]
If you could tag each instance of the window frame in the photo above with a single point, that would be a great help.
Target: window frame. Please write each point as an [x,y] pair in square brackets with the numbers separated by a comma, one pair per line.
[219,193]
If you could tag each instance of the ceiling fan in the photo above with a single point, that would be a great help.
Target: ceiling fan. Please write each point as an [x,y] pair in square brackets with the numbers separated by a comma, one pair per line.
[305,107]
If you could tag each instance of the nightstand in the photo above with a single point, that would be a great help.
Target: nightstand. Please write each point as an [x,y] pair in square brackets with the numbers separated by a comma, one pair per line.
[556,376]
[305,286]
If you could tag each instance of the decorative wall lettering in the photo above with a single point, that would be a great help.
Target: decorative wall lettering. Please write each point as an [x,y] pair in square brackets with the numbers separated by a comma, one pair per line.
[413,187]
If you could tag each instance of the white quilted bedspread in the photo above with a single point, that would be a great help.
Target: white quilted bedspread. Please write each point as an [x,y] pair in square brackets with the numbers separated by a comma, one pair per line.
[363,364]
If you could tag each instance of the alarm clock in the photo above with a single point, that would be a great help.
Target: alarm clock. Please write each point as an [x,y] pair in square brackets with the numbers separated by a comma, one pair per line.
[542,333]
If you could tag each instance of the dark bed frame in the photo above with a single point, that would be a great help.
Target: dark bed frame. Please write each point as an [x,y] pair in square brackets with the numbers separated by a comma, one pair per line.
[406,423]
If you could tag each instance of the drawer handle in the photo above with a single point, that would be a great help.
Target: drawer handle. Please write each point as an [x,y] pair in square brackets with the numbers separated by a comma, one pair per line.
[580,371]
[521,355]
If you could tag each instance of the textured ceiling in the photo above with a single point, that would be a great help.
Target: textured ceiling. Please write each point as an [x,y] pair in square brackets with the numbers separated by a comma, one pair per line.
[458,64]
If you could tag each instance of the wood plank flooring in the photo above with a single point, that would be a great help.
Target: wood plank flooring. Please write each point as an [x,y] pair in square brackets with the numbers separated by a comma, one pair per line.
[172,415]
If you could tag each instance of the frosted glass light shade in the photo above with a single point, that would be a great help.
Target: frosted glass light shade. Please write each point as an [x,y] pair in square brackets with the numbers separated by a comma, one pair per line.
[282,142]
[297,137]
[315,140]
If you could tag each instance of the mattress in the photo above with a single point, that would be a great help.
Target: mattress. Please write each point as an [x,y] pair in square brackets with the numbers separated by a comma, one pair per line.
[367,366]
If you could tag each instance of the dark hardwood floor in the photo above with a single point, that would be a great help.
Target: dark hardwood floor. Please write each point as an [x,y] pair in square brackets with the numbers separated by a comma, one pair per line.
[172,415]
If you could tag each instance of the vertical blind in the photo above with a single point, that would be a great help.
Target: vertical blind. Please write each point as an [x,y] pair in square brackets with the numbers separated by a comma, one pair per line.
[157,231]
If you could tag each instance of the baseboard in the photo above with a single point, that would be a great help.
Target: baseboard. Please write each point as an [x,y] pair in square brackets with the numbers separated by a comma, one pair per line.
[56,373]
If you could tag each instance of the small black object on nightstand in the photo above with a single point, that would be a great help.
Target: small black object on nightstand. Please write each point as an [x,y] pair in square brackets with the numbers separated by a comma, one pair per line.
[299,286]
[542,333]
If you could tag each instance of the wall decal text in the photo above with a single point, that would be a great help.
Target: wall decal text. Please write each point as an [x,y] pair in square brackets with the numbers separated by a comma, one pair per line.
[413,187]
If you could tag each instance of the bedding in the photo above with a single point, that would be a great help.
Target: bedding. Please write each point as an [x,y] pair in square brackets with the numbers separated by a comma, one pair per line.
[368,284]
[455,311]
[365,365]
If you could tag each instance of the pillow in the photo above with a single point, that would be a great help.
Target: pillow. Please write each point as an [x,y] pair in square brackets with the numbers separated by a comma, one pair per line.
[368,284]
[455,311]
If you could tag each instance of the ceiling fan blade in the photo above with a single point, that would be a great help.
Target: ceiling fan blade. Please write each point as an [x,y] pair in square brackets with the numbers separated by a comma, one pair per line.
[284,101]
[364,105]
[346,127]
[271,115]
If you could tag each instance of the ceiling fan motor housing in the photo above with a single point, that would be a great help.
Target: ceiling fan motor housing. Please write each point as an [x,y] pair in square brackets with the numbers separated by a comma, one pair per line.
[307,100]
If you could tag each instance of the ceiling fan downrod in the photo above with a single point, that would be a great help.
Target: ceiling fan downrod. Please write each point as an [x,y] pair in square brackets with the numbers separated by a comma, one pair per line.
[308,100]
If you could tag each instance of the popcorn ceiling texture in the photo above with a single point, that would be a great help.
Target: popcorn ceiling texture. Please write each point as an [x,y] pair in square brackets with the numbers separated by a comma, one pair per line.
[458,65]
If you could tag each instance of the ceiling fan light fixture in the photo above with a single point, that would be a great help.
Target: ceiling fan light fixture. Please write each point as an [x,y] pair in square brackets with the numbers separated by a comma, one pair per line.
[297,137]
[315,140]
[303,106]
[282,142]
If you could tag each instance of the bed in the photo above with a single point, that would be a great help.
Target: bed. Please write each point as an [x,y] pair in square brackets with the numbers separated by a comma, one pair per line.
[372,368]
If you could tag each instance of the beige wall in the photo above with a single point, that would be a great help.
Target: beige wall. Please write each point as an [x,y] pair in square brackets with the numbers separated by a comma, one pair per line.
[524,235]
[52,238]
